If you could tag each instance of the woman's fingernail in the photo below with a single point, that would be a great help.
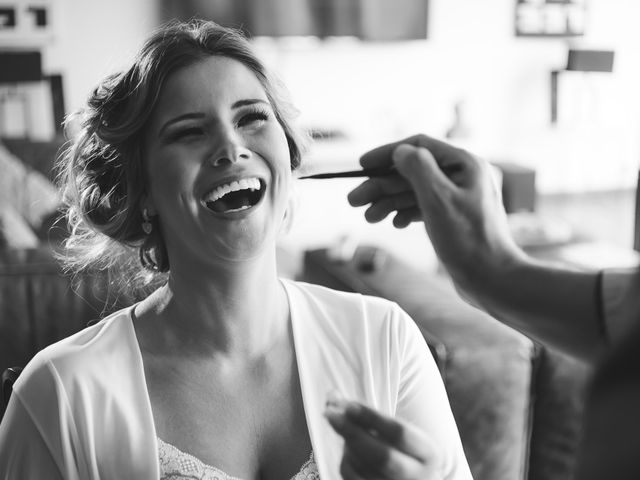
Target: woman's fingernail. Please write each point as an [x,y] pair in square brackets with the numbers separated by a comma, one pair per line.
[333,398]
[335,417]
[335,409]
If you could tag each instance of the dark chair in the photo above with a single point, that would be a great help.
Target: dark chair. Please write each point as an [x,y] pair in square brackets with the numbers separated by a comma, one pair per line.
[9,376]
[636,233]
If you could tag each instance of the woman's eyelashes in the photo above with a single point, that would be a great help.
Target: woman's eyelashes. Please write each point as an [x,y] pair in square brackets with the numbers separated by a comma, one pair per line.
[186,133]
[253,118]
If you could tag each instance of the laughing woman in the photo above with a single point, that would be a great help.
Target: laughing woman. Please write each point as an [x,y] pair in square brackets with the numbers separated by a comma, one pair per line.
[185,161]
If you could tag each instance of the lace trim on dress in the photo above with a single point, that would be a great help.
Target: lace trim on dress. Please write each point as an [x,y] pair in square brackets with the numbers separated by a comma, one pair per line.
[178,465]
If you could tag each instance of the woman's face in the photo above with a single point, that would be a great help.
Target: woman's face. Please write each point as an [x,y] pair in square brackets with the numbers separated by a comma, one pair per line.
[218,164]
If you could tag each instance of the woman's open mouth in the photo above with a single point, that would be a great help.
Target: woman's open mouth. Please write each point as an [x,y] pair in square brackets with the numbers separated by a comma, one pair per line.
[235,196]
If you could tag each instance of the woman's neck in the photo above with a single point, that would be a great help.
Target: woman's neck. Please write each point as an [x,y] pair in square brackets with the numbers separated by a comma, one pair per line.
[239,311]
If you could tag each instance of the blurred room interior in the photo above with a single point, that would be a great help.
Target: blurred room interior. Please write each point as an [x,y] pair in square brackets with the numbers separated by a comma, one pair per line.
[492,76]
[547,90]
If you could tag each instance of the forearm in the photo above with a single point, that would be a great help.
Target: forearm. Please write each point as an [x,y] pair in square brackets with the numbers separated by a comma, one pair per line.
[554,305]
[455,195]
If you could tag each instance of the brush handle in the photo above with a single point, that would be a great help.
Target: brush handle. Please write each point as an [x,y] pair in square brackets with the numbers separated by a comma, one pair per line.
[372,172]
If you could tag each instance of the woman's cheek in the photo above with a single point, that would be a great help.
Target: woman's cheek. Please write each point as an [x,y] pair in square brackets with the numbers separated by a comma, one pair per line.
[171,182]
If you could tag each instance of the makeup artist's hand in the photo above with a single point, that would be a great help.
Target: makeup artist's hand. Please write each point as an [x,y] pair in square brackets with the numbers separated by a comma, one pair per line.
[378,447]
[452,192]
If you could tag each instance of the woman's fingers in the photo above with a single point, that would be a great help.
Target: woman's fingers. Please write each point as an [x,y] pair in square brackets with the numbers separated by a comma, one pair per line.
[378,446]
[370,456]
[400,435]
[349,472]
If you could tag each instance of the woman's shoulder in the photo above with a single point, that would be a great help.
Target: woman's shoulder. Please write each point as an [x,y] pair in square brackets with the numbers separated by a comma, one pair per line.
[345,311]
[67,387]
[337,298]
[91,339]
[79,353]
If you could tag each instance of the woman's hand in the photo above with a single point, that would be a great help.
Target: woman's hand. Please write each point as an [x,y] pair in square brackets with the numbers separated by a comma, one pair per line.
[453,193]
[378,447]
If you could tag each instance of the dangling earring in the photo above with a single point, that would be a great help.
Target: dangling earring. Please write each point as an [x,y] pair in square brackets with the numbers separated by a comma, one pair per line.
[147,226]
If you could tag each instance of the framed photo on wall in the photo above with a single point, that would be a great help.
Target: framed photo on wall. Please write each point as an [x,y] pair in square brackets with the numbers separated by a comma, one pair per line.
[26,22]
[550,18]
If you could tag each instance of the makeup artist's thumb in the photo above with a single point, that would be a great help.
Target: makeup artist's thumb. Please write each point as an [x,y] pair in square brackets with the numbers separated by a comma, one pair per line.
[418,166]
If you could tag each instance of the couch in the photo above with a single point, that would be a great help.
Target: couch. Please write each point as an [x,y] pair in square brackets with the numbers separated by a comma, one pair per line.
[518,405]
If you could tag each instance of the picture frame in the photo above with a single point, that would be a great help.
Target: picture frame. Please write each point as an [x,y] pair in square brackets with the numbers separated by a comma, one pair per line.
[26,23]
[550,18]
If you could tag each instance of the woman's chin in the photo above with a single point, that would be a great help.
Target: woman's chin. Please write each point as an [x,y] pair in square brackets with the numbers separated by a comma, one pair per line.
[247,248]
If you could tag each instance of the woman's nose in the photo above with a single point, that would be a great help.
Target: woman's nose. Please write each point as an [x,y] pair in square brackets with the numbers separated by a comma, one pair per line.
[229,151]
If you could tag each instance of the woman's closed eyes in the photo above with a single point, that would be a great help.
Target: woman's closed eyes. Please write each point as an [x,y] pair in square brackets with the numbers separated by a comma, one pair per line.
[186,133]
[252,119]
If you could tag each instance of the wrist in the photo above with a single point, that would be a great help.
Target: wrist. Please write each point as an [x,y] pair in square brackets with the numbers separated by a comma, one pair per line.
[490,273]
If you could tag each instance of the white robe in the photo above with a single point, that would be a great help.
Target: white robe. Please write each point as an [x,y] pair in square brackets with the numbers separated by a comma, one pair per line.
[80,410]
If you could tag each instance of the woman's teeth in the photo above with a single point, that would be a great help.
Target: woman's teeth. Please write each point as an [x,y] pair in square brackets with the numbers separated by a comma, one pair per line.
[222,190]
[234,196]
[244,207]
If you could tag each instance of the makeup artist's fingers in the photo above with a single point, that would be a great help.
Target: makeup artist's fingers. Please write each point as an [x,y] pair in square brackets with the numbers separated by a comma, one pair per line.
[448,157]
[379,209]
[407,216]
[379,187]
[425,165]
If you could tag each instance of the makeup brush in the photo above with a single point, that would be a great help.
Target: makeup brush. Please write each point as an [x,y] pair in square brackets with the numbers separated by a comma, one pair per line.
[371,172]
[374,172]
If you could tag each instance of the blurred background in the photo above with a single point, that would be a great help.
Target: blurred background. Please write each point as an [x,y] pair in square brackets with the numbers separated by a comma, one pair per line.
[546,89]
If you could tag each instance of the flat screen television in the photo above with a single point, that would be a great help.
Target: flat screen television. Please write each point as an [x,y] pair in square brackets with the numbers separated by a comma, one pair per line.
[371,20]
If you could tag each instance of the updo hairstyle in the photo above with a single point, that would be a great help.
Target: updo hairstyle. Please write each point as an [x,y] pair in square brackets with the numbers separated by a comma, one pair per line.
[102,174]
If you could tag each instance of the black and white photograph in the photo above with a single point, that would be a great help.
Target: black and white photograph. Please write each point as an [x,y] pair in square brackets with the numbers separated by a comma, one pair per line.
[320,239]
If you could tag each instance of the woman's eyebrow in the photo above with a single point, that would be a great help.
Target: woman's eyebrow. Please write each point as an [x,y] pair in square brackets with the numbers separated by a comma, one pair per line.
[179,118]
[249,101]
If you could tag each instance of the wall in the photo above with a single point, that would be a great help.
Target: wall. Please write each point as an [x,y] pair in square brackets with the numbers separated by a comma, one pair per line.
[383,91]
[88,39]
[380,92]
[375,92]
[95,38]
